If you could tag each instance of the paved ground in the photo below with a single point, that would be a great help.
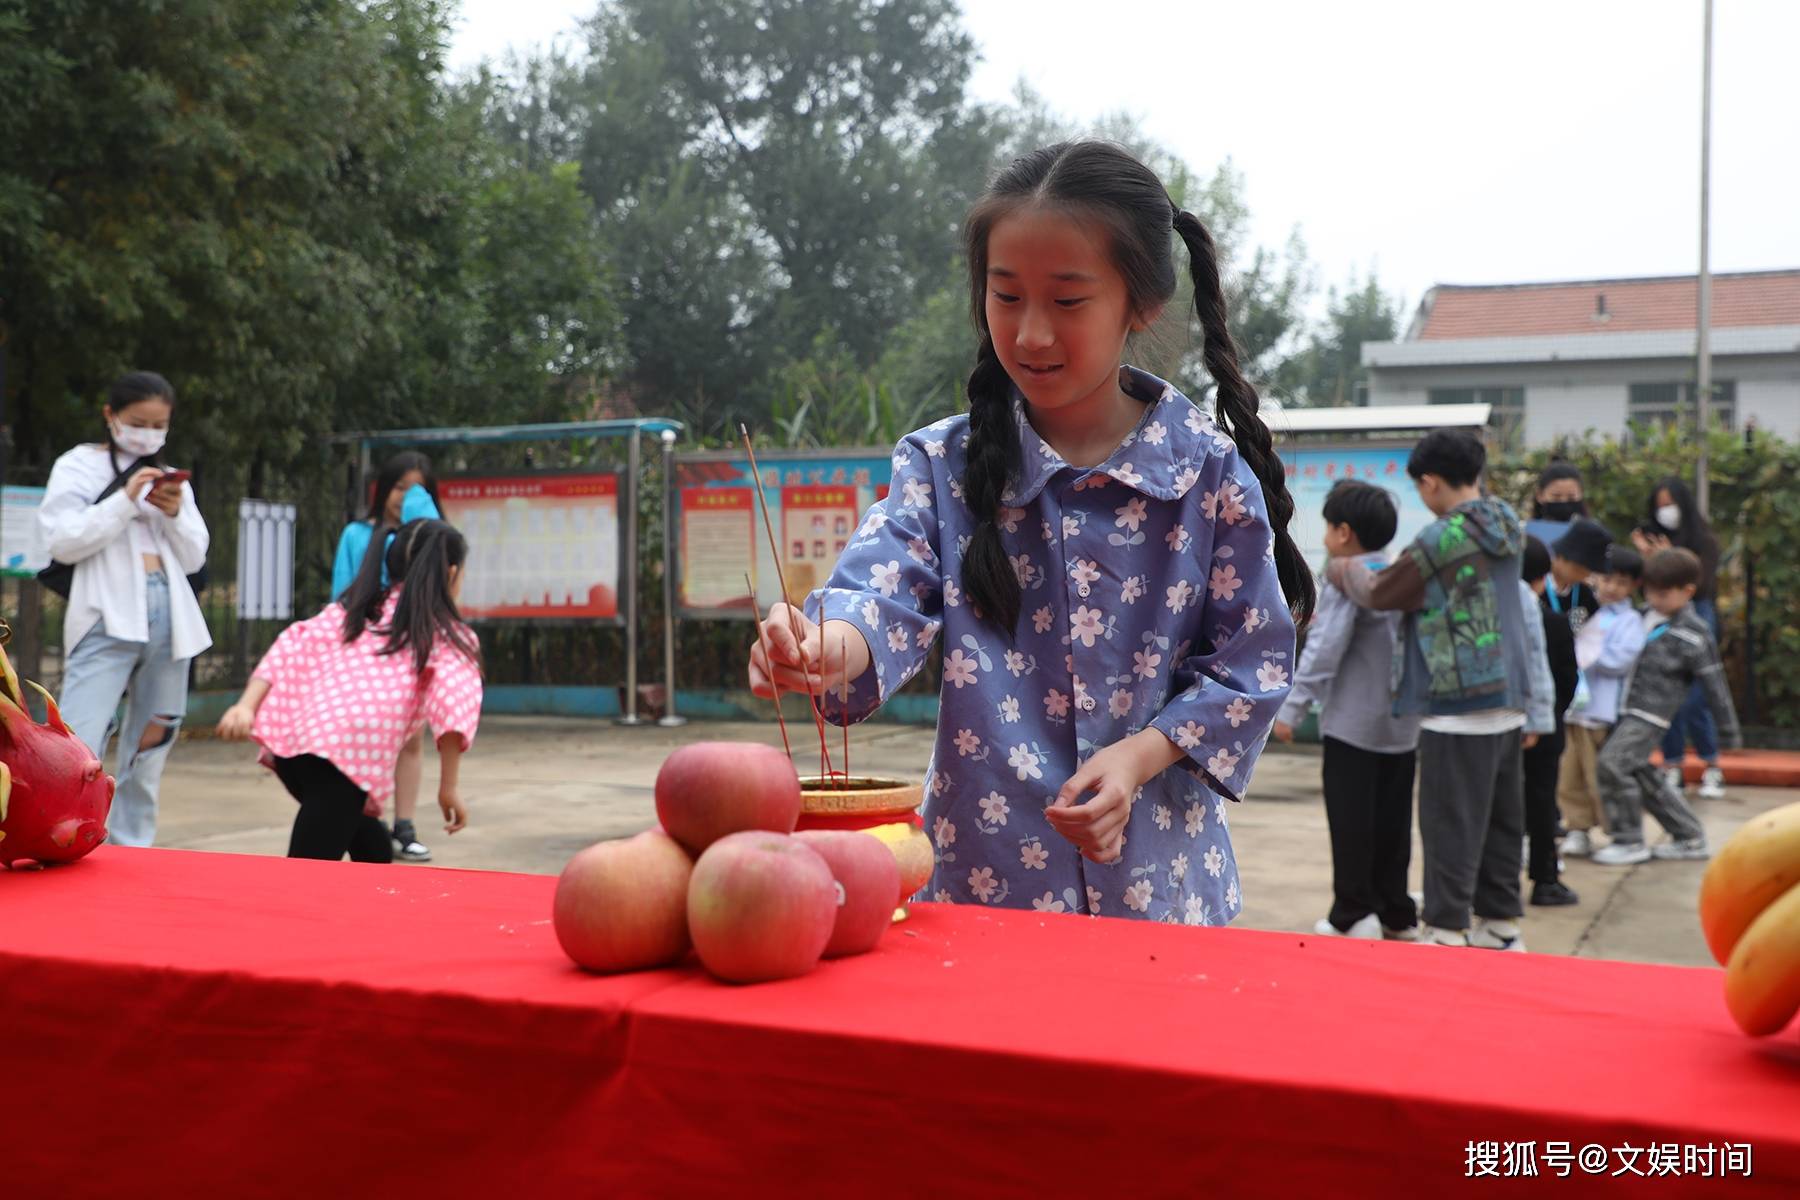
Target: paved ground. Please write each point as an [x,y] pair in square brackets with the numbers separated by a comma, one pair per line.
[541,788]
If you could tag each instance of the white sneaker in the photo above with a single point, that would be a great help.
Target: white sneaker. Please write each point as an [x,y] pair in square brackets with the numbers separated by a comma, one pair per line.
[1431,935]
[1577,844]
[1400,935]
[1692,850]
[1672,777]
[1622,854]
[1368,929]
[1497,935]
[1712,784]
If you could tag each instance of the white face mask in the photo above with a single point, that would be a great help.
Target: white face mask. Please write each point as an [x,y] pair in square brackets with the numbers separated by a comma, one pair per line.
[1669,517]
[136,440]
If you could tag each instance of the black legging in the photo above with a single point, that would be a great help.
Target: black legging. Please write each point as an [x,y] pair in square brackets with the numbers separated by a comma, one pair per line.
[1542,764]
[331,821]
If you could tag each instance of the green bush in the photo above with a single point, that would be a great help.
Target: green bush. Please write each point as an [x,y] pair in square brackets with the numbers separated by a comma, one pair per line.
[1755,514]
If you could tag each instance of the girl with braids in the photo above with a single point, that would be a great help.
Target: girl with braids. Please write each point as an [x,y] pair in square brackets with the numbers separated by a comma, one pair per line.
[347,688]
[1109,567]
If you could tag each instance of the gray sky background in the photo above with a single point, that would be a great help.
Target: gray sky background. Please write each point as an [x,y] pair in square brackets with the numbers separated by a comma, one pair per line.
[1436,142]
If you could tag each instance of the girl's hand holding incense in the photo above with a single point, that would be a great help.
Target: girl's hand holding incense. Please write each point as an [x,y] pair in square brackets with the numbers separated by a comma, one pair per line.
[803,657]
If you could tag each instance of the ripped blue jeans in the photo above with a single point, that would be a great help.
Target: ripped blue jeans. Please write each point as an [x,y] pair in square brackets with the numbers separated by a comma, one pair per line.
[97,674]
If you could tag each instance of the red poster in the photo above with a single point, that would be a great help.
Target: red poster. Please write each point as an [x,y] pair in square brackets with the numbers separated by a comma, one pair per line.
[718,546]
[816,524]
[540,546]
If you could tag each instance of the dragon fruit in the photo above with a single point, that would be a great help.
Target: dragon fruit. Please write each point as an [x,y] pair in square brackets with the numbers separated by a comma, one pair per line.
[54,797]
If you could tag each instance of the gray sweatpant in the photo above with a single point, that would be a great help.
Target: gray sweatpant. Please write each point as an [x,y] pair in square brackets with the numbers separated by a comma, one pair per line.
[1471,825]
[1629,785]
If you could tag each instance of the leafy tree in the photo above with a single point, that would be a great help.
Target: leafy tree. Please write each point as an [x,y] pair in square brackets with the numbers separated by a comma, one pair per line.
[1328,370]
[767,170]
[283,208]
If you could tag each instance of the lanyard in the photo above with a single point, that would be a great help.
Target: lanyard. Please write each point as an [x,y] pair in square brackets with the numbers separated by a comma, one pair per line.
[1657,632]
[1555,601]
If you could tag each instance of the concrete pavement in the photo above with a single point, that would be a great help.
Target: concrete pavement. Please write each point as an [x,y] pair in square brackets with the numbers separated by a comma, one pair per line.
[539,789]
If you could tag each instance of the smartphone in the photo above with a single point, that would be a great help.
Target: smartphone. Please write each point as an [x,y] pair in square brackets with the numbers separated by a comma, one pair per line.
[173,478]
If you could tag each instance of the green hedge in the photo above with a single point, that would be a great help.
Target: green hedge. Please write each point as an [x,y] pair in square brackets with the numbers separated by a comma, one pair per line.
[1755,483]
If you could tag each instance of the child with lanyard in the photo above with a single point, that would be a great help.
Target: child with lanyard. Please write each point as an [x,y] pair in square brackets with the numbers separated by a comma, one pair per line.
[1110,569]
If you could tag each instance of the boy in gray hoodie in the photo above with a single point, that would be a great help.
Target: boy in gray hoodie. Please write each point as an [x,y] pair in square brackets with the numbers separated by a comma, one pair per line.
[1679,652]
[1473,665]
[1369,752]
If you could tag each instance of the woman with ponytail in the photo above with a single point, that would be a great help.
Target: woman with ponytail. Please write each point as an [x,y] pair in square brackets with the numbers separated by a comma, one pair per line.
[134,543]
[1110,568]
[346,689]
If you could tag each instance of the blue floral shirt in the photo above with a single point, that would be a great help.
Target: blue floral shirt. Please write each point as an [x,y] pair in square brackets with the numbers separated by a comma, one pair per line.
[1150,598]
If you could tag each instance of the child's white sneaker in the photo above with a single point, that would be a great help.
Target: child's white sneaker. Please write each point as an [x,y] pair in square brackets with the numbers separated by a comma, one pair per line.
[1688,849]
[1621,854]
[1577,844]
[1712,784]
[1431,935]
[1497,935]
[1409,934]
[1368,929]
[1672,777]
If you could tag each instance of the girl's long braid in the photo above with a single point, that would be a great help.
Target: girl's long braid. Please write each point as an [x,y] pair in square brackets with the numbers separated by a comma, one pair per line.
[993,459]
[1237,413]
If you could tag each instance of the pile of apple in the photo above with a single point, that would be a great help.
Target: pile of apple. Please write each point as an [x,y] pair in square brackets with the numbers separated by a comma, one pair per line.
[727,875]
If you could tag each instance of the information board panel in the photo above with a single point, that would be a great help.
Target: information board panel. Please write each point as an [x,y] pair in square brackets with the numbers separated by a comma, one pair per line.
[541,547]
[816,502]
[1312,472]
[21,541]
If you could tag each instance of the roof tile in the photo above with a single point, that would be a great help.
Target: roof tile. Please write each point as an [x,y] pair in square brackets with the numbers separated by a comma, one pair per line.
[1630,306]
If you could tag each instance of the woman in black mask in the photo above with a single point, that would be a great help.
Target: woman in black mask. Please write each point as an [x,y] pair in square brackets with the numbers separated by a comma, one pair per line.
[1559,493]
[1559,499]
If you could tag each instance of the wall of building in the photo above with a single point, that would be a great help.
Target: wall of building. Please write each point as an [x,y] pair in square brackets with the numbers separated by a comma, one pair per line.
[1775,402]
[1573,410]
[1572,399]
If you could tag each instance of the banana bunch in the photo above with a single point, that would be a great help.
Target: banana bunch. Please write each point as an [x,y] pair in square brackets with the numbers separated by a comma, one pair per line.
[1750,911]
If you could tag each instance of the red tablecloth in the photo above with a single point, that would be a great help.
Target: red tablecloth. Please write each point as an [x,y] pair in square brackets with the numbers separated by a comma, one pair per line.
[225,1025]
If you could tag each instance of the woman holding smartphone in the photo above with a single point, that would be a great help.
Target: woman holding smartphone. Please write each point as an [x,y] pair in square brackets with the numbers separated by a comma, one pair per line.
[133,624]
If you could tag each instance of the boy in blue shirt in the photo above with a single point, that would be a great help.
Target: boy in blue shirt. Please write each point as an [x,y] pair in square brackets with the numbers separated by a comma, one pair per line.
[1605,651]
[1370,753]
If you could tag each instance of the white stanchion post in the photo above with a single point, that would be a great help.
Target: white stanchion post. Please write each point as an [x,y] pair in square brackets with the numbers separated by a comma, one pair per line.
[670,718]
[629,497]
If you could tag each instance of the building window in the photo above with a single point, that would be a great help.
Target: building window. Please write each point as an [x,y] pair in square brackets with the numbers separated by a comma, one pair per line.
[1506,416]
[1658,405]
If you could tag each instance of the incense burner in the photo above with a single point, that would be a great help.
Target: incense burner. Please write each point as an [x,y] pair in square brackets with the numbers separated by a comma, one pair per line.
[885,808]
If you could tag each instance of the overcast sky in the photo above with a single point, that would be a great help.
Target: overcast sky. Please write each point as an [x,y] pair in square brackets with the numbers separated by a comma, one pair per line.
[1436,142]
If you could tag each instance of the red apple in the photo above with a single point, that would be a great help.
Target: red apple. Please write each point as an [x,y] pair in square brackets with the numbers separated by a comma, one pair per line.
[761,906]
[709,789]
[622,906]
[868,884]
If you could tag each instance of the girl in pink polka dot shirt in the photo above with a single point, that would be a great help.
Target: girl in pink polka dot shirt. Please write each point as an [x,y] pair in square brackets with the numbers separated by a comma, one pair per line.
[338,694]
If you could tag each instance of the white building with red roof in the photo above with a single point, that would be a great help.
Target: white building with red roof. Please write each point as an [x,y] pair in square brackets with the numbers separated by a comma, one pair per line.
[1598,356]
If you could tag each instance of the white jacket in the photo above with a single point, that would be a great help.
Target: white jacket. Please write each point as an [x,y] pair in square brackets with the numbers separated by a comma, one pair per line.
[109,579]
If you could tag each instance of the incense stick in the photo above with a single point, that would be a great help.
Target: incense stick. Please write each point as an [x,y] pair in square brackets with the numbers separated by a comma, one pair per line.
[793,617]
[844,661]
[769,662]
